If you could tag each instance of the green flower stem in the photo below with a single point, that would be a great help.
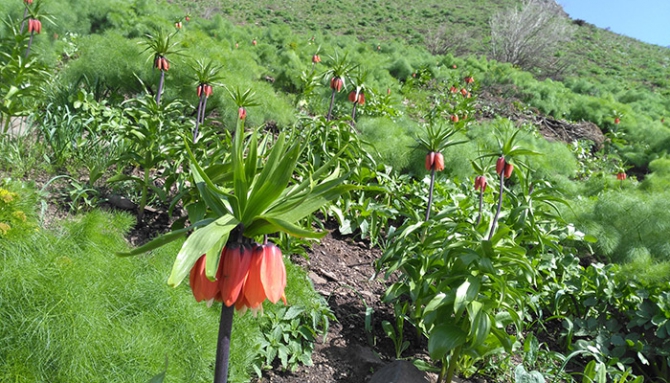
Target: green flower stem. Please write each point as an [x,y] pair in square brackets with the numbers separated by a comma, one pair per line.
[223,344]
[453,361]
[143,198]
[430,193]
[500,198]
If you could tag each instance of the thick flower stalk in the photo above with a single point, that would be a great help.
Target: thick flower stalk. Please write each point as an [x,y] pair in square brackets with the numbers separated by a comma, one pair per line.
[504,170]
[163,65]
[336,84]
[357,97]
[203,91]
[480,185]
[434,163]
[34,27]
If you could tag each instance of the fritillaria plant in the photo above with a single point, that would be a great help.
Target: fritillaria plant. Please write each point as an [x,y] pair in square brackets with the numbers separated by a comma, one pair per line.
[435,140]
[160,45]
[258,196]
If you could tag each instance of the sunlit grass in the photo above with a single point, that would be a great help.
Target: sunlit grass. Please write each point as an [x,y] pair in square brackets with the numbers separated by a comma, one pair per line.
[72,311]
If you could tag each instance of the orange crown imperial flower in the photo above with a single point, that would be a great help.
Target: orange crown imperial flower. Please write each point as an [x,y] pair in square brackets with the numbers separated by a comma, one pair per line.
[242,113]
[203,289]
[246,277]
[266,278]
[509,168]
[480,183]
[357,97]
[336,83]
[34,25]
[500,165]
[435,161]
[235,261]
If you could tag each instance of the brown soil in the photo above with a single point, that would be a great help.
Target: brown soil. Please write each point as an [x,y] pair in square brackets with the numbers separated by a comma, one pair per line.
[342,270]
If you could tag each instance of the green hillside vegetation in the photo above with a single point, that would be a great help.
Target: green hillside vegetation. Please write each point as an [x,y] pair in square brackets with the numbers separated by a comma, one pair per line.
[79,107]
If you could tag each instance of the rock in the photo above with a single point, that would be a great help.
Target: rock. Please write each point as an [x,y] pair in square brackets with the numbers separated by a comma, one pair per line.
[399,371]
[316,279]
[367,356]
[121,202]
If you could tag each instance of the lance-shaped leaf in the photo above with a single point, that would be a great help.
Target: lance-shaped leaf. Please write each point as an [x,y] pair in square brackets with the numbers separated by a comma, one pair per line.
[199,243]
[165,239]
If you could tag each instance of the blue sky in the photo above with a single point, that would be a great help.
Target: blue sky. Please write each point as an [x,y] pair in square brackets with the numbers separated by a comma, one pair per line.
[646,20]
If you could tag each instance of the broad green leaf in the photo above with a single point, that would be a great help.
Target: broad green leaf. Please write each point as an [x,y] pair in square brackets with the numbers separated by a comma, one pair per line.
[438,301]
[213,257]
[199,243]
[480,328]
[251,162]
[240,184]
[210,199]
[310,204]
[267,225]
[443,339]
[124,177]
[272,181]
[164,239]
[466,293]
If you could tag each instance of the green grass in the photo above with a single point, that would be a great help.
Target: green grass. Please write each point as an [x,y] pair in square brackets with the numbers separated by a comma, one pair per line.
[72,311]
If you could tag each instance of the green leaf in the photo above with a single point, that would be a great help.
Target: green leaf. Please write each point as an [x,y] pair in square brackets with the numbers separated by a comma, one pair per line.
[273,180]
[213,257]
[443,339]
[160,377]
[124,177]
[211,200]
[164,239]
[199,243]
[466,293]
[268,225]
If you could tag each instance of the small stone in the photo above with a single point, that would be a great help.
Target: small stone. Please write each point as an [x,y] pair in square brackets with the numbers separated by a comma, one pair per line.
[399,371]
[121,202]
[317,280]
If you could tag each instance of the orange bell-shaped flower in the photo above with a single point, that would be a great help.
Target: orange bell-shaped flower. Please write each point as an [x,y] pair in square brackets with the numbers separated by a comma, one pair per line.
[336,83]
[500,165]
[435,161]
[235,261]
[266,278]
[509,168]
[430,158]
[203,289]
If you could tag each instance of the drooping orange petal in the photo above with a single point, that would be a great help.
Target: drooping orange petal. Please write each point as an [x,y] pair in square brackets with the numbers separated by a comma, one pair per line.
[234,272]
[253,287]
[430,158]
[273,272]
[439,162]
[203,289]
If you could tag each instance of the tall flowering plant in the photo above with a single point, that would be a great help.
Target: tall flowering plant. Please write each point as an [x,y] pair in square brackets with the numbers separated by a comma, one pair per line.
[253,195]
[160,45]
[435,140]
